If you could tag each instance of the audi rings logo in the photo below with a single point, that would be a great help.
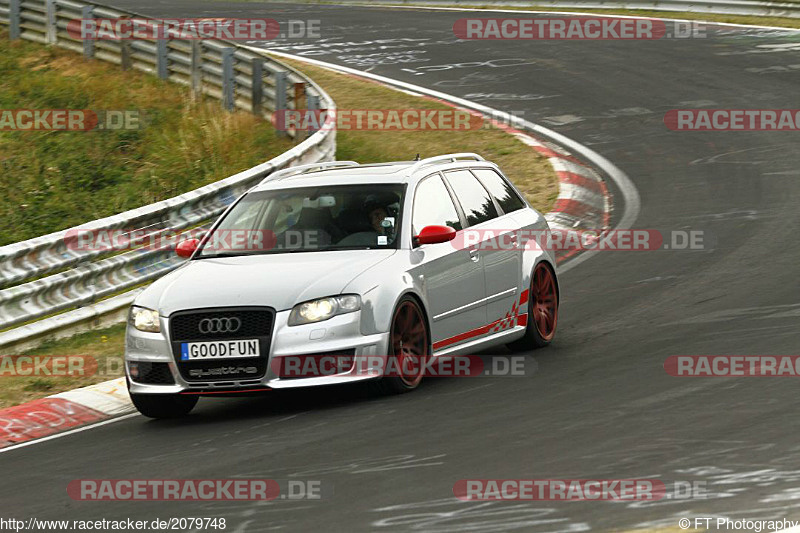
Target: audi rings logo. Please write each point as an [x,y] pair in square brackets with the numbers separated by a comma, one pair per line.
[219,325]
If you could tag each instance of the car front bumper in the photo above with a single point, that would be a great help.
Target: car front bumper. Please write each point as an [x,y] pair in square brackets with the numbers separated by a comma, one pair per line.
[339,334]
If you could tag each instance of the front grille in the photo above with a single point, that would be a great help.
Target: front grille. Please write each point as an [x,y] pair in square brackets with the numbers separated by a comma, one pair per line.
[255,323]
[185,326]
[154,374]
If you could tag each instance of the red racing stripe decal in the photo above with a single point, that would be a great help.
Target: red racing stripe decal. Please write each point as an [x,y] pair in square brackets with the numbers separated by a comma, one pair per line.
[523,298]
[510,319]
[464,336]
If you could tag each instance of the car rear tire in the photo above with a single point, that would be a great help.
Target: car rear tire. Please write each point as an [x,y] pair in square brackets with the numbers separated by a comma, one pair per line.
[409,349]
[164,405]
[542,310]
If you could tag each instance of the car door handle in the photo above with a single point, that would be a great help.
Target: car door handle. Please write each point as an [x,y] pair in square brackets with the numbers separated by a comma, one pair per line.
[473,255]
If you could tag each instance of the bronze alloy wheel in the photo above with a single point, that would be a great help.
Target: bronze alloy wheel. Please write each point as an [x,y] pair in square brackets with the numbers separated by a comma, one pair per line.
[544,302]
[409,343]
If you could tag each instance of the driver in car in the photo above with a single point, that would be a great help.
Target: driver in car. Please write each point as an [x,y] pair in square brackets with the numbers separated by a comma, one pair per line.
[375,224]
[377,213]
[376,216]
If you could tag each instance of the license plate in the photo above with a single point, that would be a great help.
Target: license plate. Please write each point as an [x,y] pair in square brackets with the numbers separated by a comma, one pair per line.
[214,350]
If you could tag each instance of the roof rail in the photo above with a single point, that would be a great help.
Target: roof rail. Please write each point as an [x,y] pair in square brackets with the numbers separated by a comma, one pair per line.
[304,169]
[449,158]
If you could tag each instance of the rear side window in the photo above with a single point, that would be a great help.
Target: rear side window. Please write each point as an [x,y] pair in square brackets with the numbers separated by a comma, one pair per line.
[433,206]
[475,201]
[503,192]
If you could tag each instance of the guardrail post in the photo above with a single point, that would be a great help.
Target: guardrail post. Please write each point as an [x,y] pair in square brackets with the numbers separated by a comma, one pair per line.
[197,74]
[227,79]
[161,58]
[87,12]
[281,79]
[50,31]
[257,94]
[299,95]
[13,19]
[126,61]
[312,104]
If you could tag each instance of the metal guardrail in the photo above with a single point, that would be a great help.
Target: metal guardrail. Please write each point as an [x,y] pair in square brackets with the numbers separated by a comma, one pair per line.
[64,276]
[723,7]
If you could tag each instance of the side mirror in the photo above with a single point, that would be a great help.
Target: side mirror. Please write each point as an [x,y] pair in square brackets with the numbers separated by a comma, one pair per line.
[186,248]
[435,234]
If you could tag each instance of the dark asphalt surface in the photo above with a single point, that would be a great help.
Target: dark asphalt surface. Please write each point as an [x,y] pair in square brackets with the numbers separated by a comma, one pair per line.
[600,404]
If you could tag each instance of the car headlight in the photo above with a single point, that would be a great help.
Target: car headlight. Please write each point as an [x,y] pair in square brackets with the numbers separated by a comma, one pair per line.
[145,319]
[323,309]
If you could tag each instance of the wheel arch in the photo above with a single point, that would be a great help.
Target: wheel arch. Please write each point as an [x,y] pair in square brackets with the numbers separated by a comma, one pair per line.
[420,302]
[531,260]
[553,271]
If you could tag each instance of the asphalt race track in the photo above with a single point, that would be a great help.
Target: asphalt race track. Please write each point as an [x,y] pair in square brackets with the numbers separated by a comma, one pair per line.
[600,404]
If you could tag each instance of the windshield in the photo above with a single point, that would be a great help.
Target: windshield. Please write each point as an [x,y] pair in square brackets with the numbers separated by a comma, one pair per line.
[312,219]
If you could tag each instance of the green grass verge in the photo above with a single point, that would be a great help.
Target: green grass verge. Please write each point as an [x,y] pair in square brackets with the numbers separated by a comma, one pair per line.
[52,180]
[106,346]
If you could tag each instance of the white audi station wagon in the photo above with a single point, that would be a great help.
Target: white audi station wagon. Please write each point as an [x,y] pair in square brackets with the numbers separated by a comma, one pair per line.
[408,261]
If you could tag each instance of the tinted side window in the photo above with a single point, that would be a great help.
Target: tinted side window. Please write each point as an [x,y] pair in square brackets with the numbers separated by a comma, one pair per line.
[502,191]
[433,206]
[475,201]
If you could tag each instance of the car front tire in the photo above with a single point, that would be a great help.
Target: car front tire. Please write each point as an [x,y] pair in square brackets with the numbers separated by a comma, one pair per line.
[409,349]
